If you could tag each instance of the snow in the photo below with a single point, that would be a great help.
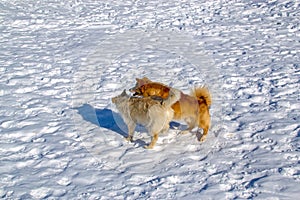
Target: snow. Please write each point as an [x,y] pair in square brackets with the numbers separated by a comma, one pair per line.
[62,62]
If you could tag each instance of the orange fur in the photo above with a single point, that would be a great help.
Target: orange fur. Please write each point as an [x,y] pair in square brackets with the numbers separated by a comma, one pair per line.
[145,87]
[194,109]
[202,94]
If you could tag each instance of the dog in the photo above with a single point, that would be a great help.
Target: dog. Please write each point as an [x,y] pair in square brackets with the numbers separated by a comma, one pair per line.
[193,109]
[154,115]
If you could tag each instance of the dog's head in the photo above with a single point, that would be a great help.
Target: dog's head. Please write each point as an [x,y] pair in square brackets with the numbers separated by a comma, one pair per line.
[139,83]
[120,98]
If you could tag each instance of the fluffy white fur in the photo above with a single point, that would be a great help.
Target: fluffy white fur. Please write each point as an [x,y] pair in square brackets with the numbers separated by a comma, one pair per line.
[155,115]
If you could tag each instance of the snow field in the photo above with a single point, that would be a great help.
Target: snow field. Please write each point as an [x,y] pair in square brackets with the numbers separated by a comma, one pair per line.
[61,62]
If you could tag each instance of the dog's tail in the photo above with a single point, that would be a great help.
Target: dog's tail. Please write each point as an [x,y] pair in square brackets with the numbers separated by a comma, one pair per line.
[174,95]
[202,94]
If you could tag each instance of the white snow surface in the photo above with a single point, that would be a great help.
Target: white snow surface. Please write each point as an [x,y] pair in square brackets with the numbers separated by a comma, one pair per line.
[62,61]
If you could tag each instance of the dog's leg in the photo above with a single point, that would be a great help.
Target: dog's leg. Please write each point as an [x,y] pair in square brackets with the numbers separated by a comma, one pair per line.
[131,128]
[153,141]
[184,131]
[166,128]
[204,135]
[191,124]
[204,123]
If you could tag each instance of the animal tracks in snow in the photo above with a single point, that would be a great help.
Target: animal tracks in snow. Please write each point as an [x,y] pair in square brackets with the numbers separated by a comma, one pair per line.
[60,64]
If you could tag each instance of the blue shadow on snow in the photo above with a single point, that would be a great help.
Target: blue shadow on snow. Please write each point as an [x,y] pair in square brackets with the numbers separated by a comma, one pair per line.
[104,118]
[111,120]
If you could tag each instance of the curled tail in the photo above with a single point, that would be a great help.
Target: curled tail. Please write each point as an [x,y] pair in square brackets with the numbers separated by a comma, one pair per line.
[174,95]
[202,94]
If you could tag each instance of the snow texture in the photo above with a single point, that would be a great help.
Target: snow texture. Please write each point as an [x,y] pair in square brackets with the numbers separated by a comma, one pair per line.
[62,61]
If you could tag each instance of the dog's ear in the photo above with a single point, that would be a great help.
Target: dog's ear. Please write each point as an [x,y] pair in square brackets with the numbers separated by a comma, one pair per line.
[146,79]
[124,93]
[139,82]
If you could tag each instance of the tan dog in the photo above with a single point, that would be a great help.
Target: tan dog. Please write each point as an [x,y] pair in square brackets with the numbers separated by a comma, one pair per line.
[154,115]
[194,109]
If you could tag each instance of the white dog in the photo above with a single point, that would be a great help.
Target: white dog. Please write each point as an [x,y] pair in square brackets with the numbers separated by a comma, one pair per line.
[155,115]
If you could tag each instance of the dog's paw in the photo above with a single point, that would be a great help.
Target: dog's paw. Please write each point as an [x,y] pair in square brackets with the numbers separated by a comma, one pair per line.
[184,132]
[129,138]
[202,138]
[148,147]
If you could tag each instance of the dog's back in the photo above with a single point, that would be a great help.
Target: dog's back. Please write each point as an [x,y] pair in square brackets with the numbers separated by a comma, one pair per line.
[186,107]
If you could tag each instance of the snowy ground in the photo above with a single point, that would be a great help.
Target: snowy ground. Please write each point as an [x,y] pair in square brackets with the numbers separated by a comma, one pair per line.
[61,62]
